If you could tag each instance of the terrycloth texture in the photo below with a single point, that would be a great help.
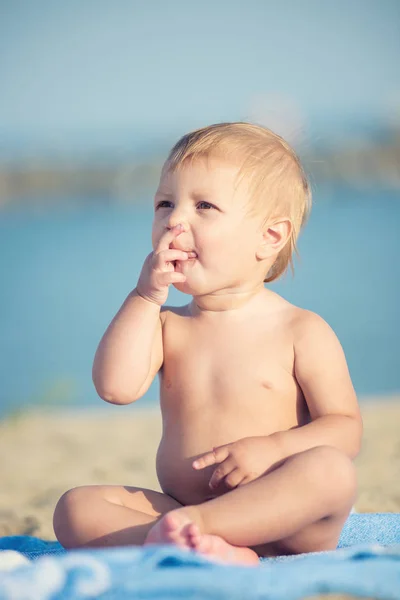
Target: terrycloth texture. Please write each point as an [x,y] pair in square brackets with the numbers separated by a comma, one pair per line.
[362,528]
[371,528]
[167,573]
[366,564]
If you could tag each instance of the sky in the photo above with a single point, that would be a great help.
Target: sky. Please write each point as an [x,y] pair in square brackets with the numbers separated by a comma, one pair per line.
[83,71]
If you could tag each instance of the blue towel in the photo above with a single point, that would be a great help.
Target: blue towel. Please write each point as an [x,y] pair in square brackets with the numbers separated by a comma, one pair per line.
[366,563]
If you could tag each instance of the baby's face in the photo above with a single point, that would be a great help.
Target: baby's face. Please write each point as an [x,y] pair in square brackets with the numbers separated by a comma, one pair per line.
[206,198]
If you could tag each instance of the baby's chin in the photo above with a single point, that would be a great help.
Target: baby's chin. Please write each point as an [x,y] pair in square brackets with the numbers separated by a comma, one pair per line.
[199,282]
[186,288]
[195,287]
[192,286]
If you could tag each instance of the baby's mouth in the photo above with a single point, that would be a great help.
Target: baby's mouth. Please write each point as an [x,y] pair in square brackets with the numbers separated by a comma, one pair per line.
[190,259]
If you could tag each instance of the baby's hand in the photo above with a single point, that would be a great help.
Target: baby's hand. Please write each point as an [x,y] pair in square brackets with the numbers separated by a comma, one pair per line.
[241,461]
[158,270]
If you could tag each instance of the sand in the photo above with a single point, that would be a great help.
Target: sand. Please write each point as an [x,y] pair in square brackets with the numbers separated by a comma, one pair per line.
[44,455]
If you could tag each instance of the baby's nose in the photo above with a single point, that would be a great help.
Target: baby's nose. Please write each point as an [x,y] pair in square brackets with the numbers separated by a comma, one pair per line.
[184,225]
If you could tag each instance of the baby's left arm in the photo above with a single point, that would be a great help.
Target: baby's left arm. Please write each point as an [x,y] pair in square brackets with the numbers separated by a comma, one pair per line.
[322,373]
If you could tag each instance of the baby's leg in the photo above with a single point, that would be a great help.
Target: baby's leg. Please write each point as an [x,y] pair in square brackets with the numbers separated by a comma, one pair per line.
[301,506]
[108,515]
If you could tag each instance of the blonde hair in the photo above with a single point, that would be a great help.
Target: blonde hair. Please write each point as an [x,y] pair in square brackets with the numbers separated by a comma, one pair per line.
[278,183]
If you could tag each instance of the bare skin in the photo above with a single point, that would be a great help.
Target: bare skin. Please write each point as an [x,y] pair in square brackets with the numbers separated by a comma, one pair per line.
[237,362]
[180,528]
[284,524]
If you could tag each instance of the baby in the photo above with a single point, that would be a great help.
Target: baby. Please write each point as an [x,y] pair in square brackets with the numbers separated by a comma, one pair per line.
[260,419]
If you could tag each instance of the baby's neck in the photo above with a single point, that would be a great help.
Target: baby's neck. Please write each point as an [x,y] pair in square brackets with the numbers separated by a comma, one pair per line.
[226,302]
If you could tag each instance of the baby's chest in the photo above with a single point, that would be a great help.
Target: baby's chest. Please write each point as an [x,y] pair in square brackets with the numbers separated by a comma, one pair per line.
[225,364]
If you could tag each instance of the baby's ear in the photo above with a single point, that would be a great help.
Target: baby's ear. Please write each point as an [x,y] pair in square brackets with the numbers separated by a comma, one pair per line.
[274,238]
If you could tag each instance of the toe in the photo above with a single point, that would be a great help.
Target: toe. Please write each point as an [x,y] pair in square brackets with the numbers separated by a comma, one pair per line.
[194,531]
[193,535]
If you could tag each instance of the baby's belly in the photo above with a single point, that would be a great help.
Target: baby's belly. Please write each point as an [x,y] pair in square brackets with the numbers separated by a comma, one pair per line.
[180,446]
[179,479]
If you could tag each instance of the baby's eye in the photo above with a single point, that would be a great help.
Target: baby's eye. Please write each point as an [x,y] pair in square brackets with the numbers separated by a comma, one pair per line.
[203,205]
[162,204]
[207,205]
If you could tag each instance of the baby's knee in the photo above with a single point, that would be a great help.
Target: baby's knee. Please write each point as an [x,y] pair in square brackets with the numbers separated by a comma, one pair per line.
[335,472]
[68,512]
[73,497]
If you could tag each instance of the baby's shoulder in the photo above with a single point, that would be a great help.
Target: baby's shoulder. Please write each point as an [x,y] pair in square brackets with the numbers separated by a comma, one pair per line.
[293,315]
[302,321]
[304,318]
[309,328]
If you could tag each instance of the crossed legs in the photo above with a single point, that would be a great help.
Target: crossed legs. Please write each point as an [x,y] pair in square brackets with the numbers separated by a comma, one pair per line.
[301,506]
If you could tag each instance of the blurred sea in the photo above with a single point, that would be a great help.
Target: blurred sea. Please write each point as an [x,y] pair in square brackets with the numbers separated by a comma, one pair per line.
[66,271]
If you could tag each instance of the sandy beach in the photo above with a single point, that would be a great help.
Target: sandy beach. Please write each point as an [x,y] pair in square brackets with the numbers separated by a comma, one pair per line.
[44,455]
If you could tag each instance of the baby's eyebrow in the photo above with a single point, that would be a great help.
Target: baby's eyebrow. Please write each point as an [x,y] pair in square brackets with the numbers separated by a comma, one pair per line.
[165,191]
[201,195]
[196,196]
[163,194]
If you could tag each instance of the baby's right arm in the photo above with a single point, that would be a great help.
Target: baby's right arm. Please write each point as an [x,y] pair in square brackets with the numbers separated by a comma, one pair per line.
[130,352]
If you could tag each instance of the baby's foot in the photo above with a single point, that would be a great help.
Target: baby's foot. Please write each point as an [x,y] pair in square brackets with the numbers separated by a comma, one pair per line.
[172,529]
[215,547]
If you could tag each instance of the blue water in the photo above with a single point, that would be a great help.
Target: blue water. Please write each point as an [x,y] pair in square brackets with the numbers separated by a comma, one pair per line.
[65,272]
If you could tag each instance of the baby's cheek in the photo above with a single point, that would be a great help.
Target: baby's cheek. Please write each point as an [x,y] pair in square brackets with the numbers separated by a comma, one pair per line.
[211,242]
[155,236]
